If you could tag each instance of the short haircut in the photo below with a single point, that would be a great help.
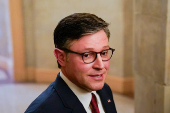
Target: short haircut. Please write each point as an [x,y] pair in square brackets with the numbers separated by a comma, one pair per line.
[75,26]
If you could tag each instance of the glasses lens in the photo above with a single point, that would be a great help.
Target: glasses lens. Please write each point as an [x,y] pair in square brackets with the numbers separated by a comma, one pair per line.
[106,54]
[89,57]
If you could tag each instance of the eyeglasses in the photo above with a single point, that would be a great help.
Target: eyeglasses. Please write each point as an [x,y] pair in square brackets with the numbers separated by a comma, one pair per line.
[89,57]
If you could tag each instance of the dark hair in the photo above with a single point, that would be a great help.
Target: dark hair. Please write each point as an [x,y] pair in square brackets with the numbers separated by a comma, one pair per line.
[75,26]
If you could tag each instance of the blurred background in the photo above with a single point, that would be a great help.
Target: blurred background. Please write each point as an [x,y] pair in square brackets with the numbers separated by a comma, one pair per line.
[139,74]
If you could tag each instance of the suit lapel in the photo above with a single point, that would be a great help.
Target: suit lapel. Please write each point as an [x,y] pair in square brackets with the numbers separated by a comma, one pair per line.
[107,100]
[67,96]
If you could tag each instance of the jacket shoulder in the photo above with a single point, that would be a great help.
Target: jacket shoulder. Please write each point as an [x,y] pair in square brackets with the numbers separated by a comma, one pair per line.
[107,89]
[106,97]
[47,102]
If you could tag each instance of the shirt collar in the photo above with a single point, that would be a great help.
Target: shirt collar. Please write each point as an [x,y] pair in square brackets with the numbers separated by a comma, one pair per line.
[83,95]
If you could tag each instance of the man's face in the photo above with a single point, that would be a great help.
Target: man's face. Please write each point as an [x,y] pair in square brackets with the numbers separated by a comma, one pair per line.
[91,76]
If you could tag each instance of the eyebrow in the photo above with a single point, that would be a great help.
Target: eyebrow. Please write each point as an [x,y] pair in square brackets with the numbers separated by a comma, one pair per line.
[91,49]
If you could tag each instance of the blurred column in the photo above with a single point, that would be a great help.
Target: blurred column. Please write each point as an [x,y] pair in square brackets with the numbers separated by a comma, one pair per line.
[16,21]
[152,56]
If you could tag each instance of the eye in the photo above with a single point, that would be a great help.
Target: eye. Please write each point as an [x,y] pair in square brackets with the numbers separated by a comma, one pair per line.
[86,55]
[104,52]
[89,55]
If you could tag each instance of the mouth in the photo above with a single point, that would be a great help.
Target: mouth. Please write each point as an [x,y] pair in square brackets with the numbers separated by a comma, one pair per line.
[97,76]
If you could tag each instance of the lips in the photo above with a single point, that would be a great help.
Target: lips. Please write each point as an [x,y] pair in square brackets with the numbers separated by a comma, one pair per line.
[97,77]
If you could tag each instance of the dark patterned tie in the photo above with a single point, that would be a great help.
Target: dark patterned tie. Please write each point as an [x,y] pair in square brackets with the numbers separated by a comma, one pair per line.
[94,105]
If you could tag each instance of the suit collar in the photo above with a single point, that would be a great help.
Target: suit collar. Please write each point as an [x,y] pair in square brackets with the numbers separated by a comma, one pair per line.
[68,98]
[71,101]
[83,95]
[107,99]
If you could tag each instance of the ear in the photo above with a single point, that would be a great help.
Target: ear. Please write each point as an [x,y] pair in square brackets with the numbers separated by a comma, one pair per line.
[60,56]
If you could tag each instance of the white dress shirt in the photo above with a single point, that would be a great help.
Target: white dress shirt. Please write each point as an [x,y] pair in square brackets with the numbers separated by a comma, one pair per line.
[83,95]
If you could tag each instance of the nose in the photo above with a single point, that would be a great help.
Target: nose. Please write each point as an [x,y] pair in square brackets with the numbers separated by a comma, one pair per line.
[98,63]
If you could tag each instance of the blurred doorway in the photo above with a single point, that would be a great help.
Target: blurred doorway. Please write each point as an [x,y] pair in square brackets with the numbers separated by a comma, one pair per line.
[6,56]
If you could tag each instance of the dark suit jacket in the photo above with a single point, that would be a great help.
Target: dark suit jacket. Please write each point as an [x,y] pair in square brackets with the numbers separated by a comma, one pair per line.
[59,98]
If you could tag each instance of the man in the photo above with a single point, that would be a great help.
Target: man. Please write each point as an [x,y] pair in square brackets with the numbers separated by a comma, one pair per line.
[83,53]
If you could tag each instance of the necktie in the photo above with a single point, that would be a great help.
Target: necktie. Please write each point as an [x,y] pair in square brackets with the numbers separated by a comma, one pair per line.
[94,105]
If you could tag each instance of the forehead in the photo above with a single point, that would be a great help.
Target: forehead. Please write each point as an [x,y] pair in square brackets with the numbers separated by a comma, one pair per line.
[96,41]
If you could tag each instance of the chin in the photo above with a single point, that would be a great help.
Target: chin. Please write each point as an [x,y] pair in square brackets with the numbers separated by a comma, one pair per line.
[97,87]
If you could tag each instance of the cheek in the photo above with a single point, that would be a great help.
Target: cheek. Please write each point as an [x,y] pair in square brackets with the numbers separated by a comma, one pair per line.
[107,65]
[76,64]
[83,68]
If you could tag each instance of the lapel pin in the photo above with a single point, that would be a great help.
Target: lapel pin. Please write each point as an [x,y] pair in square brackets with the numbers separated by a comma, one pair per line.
[108,100]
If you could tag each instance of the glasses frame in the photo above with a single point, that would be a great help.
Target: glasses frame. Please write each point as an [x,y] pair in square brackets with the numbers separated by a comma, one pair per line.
[70,51]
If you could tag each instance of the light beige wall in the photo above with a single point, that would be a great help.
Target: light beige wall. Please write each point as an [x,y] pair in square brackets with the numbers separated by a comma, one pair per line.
[167,63]
[42,16]
[166,87]
[128,38]
[29,32]
[151,56]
